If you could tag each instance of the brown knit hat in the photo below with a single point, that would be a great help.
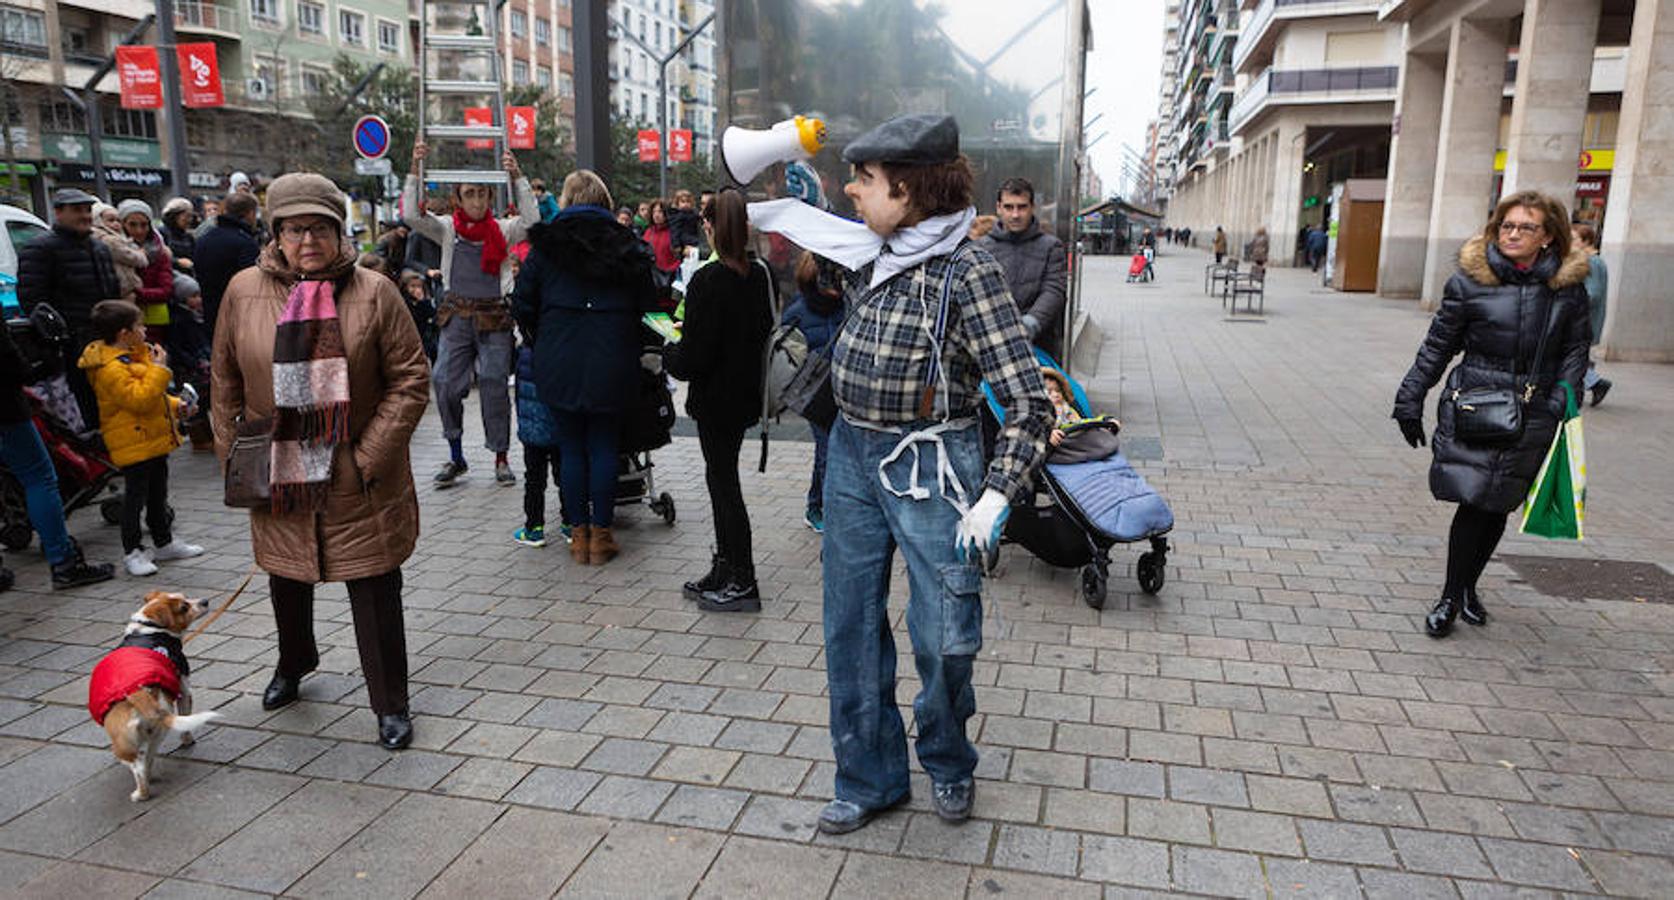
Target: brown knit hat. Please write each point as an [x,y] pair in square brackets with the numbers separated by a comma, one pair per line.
[304,194]
[1047,373]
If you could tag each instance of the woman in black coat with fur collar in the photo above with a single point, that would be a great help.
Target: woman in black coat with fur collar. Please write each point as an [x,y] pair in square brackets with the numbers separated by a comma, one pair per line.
[1517,280]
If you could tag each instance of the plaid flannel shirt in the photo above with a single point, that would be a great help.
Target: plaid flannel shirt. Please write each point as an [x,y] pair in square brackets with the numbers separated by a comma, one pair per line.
[879,359]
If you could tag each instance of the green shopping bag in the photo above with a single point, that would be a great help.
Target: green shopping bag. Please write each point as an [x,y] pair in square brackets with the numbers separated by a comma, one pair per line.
[1556,502]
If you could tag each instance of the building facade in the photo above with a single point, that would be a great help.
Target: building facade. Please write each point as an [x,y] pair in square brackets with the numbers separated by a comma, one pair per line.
[653,28]
[539,49]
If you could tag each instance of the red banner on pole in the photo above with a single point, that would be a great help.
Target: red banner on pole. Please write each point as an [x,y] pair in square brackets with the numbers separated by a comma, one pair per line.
[139,75]
[520,127]
[200,76]
[649,145]
[481,116]
[680,144]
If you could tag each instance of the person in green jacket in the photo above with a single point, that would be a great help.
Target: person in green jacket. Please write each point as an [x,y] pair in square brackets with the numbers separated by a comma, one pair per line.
[1598,289]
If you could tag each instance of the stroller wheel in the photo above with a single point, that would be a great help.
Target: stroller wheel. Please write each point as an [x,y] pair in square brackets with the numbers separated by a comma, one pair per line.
[664,506]
[1152,570]
[1094,582]
[110,509]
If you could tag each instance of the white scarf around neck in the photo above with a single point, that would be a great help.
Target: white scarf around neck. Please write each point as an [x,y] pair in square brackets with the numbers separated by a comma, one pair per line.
[853,245]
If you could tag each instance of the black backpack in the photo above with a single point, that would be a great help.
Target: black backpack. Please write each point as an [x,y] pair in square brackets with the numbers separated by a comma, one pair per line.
[40,338]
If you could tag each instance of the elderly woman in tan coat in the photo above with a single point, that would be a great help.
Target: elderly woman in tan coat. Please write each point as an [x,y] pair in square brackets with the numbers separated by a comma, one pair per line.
[323,355]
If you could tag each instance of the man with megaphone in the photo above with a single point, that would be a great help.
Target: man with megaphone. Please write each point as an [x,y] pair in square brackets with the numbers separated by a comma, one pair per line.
[929,318]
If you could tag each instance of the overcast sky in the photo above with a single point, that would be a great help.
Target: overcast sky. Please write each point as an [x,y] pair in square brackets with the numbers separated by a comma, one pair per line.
[1124,67]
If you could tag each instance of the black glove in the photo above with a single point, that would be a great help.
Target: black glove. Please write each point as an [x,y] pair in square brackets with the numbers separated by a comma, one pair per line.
[1412,430]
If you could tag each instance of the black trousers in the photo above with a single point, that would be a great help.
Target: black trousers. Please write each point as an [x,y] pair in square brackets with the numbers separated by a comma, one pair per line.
[537,461]
[1470,544]
[721,445]
[145,489]
[379,634]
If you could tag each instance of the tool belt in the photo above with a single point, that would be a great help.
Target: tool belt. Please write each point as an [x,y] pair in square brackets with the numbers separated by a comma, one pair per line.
[489,313]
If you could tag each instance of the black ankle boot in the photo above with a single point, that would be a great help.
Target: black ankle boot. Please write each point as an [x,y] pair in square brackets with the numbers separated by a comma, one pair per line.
[1474,612]
[737,594]
[716,578]
[281,691]
[1440,620]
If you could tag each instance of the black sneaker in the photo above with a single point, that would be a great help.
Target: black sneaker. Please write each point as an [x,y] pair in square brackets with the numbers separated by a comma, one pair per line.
[76,572]
[714,581]
[953,801]
[448,475]
[1600,389]
[738,594]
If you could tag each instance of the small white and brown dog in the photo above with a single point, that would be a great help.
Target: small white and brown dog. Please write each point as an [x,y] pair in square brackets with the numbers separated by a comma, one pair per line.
[139,691]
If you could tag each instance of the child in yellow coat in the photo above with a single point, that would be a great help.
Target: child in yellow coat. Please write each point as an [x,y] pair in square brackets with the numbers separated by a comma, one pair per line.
[140,425]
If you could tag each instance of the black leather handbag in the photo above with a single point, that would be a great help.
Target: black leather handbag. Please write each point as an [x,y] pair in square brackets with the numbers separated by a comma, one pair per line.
[249,465]
[1493,417]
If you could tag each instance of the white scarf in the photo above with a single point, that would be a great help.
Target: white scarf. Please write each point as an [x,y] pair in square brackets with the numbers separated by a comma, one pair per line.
[854,245]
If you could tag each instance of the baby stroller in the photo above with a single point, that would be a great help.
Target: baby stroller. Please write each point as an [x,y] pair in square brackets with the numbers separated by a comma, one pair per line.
[647,426]
[1080,509]
[1139,268]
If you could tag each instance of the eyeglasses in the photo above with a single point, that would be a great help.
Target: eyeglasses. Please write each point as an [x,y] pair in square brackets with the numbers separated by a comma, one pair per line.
[321,232]
[1521,228]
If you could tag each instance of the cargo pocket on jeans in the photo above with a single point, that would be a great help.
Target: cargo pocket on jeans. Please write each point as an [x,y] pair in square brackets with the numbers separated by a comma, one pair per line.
[961,611]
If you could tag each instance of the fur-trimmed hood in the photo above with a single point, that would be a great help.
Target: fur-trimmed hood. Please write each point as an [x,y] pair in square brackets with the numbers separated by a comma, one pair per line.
[588,241]
[1483,264]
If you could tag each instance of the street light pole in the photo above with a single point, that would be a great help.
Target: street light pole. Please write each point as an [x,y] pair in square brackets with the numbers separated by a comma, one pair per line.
[179,162]
[88,103]
[662,91]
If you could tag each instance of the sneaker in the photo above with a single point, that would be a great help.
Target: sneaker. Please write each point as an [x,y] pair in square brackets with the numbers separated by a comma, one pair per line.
[530,537]
[176,549]
[815,518]
[564,529]
[448,475]
[503,474]
[1600,389]
[953,801]
[738,594]
[138,564]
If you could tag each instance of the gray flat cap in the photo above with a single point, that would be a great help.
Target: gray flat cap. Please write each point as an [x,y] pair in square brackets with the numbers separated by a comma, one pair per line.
[912,139]
[72,197]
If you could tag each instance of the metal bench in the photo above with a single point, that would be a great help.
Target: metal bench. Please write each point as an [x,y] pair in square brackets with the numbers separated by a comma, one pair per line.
[1216,274]
[1251,285]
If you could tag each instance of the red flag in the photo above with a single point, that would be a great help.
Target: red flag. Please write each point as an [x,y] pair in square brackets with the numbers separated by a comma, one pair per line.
[479,115]
[520,127]
[140,77]
[680,145]
[649,145]
[200,75]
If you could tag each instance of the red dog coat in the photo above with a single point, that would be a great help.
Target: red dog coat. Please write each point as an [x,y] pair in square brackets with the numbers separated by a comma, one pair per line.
[124,671]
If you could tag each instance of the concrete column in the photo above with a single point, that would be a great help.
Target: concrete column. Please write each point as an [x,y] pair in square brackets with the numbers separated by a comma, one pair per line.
[1639,218]
[1412,176]
[1554,77]
[1284,212]
[1470,126]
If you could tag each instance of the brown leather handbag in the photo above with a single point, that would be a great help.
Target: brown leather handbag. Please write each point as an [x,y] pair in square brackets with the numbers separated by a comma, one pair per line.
[249,466]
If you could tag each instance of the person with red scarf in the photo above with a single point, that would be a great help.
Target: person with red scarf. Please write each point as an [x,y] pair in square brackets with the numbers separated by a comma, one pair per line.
[661,238]
[474,322]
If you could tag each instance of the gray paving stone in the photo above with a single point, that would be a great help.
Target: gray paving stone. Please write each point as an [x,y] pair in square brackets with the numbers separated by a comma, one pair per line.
[177,889]
[929,837]
[780,818]
[990,882]
[1237,829]
[683,855]
[402,850]
[310,824]
[285,753]
[620,797]
[484,779]
[700,807]
[1538,864]
[625,757]
[1382,884]
[501,855]
[755,868]
[1343,842]
[1302,878]
[1204,871]
[1125,861]
[1207,786]
[1037,850]
[417,770]
[92,809]
[1122,777]
[1168,821]
[184,824]
[44,773]
[73,879]
[553,788]
[871,875]
[1444,854]
[1080,810]
[1627,874]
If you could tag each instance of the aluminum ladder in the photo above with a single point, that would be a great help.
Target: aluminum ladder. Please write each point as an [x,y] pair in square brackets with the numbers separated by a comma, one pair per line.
[459,62]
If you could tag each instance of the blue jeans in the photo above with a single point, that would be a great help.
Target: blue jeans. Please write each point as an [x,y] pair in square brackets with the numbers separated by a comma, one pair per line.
[587,479]
[816,484]
[864,524]
[22,452]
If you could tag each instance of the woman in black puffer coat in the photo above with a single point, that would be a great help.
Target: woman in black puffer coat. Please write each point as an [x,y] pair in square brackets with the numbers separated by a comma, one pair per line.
[1520,277]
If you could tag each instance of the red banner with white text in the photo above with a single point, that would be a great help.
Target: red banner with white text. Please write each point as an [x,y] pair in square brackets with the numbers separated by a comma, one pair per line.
[520,127]
[480,116]
[680,145]
[649,145]
[140,77]
[200,76]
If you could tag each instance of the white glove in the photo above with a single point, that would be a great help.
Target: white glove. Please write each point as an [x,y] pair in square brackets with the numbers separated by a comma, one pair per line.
[1031,325]
[979,530]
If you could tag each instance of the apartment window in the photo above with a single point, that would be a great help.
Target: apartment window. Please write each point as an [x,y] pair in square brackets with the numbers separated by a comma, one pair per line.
[566,87]
[657,27]
[520,72]
[543,78]
[310,18]
[314,81]
[61,117]
[564,39]
[389,36]
[642,27]
[1355,48]
[22,28]
[543,31]
[264,12]
[129,123]
[351,27]
[519,23]
[644,106]
[269,73]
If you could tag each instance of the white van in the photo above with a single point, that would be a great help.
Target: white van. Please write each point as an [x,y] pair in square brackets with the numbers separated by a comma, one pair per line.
[19,228]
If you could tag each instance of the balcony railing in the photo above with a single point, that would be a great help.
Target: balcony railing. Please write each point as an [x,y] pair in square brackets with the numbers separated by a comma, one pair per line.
[1250,37]
[205,15]
[1357,83]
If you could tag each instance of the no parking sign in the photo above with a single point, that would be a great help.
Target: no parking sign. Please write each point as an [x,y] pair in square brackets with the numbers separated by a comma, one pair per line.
[371,137]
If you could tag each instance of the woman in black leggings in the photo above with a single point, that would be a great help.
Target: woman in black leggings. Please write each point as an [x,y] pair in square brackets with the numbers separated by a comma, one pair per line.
[1519,281]
[728,316]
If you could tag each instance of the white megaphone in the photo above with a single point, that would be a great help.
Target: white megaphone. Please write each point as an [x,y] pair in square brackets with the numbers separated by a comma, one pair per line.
[745,152]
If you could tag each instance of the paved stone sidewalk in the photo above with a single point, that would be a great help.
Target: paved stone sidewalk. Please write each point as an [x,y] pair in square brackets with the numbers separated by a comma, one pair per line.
[1273,723]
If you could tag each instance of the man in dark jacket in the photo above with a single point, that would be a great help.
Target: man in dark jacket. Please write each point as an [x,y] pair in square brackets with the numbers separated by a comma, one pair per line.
[225,250]
[1034,263]
[70,270]
[23,453]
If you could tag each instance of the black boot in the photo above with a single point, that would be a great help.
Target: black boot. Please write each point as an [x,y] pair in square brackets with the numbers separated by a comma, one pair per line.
[395,731]
[75,571]
[716,578]
[281,691]
[737,594]
[1474,612]
[1440,620]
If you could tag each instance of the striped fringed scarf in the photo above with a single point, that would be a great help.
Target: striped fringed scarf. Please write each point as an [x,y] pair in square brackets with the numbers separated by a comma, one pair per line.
[310,397]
